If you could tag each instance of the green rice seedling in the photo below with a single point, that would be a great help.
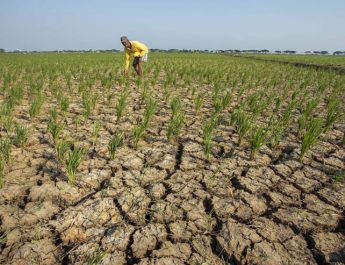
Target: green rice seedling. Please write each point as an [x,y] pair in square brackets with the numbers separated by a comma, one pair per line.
[53,114]
[311,135]
[16,95]
[89,103]
[150,110]
[36,106]
[243,125]
[77,121]
[2,172]
[257,139]
[95,131]
[226,100]
[166,92]
[55,128]
[334,112]
[86,102]
[175,125]
[64,104]
[145,92]
[121,104]
[218,105]
[306,116]
[115,142]
[138,133]
[198,101]
[7,123]
[96,257]
[175,105]
[5,147]
[61,150]
[21,135]
[73,161]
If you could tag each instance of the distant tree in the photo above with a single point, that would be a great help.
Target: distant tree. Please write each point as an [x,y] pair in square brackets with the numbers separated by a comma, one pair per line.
[2,50]
[289,52]
[339,53]
[277,51]
[324,52]
[265,51]
[316,52]
[307,52]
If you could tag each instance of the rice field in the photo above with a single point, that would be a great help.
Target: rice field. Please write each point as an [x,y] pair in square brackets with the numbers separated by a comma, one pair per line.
[206,159]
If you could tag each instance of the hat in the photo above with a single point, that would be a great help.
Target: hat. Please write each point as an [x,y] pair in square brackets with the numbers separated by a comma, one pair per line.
[124,39]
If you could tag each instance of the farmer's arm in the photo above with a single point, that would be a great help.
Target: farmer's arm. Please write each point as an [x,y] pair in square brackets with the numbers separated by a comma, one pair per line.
[127,57]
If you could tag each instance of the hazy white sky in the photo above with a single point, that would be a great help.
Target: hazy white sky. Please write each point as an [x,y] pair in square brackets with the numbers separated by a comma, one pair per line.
[195,24]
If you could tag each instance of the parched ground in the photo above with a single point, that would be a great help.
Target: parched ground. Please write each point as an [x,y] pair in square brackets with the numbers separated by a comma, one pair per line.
[164,203]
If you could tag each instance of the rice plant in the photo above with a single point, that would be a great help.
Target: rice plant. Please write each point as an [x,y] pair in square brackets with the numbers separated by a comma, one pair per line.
[138,133]
[36,106]
[7,123]
[334,112]
[89,103]
[21,135]
[115,142]
[64,104]
[95,131]
[175,125]
[55,129]
[311,135]
[2,172]
[175,105]
[243,122]
[96,257]
[121,105]
[61,150]
[150,110]
[257,139]
[53,114]
[73,160]
[198,101]
[226,100]
[306,116]
[5,147]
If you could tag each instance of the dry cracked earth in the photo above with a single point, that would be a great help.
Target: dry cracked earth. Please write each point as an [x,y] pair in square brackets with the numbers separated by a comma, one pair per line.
[165,204]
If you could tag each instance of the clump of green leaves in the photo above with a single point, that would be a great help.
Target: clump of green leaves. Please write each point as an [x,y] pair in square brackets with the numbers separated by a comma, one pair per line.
[61,149]
[257,139]
[36,105]
[55,129]
[64,104]
[121,104]
[334,112]
[95,131]
[21,135]
[243,122]
[305,118]
[5,147]
[198,101]
[73,161]
[311,135]
[177,118]
[115,142]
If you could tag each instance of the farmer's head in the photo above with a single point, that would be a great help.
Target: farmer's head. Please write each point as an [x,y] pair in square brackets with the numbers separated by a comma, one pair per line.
[125,42]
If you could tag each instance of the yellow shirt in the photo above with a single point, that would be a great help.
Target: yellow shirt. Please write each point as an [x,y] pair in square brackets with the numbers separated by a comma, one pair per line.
[138,49]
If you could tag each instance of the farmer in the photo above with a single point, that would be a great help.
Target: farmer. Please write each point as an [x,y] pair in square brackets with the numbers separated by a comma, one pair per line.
[139,51]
